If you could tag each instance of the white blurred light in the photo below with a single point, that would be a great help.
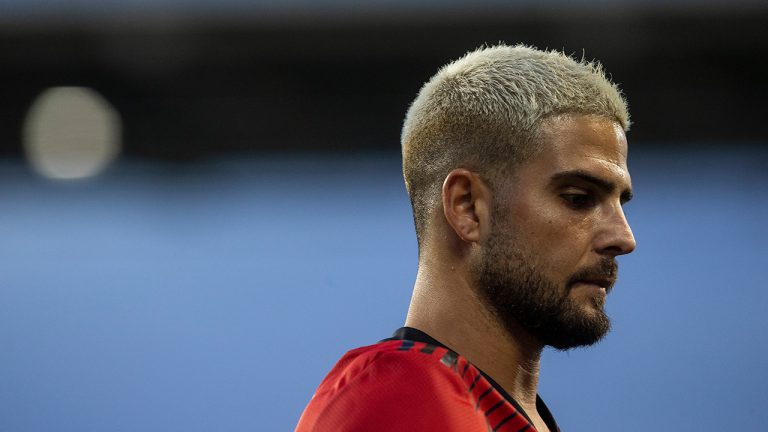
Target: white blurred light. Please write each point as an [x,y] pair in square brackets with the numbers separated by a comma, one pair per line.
[71,133]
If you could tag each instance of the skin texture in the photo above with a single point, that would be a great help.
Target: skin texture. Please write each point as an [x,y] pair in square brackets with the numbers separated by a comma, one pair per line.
[559,218]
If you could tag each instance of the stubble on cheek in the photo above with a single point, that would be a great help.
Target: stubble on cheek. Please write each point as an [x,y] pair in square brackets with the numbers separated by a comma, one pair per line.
[516,286]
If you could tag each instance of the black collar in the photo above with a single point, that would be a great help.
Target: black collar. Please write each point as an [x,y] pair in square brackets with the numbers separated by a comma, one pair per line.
[412,334]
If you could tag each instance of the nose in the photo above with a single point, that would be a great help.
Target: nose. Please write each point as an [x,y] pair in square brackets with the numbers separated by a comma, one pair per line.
[615,236]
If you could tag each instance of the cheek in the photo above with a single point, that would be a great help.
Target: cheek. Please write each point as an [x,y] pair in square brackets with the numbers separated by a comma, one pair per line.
[541,222]
[557,237]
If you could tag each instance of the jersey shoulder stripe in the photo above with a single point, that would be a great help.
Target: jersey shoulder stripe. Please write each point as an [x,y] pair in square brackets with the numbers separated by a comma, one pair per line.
[403,385]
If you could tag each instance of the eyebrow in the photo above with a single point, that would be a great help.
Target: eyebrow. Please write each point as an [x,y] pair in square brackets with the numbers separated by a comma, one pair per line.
[605,185]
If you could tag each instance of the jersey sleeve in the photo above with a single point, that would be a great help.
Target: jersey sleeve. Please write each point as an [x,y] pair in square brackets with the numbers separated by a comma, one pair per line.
[393,390]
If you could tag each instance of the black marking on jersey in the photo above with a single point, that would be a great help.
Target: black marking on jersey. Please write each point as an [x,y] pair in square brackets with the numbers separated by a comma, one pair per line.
[506,419]
[493,408]
[449,359]
[474,382]
[464,372]
[525,428]
[428,349]
[406,346]
[485,393]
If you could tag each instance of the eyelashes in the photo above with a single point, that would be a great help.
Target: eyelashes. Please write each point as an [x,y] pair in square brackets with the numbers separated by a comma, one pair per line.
[579,201]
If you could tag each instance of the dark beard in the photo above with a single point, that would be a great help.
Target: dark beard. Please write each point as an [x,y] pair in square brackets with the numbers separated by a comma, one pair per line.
[521,297]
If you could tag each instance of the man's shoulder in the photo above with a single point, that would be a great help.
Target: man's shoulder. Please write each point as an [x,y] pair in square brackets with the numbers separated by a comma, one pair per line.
[387,363]
[395,385]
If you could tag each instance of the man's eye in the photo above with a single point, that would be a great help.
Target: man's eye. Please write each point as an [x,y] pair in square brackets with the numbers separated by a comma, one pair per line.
[578,201]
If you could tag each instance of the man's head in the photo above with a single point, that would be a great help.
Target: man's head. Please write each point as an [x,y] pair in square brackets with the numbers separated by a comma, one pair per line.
[521,154]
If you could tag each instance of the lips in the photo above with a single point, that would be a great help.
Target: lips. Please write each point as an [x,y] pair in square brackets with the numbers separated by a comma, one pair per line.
[602,274]
[605,283]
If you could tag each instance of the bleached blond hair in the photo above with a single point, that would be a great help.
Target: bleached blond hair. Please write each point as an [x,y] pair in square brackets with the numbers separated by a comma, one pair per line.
[482,112]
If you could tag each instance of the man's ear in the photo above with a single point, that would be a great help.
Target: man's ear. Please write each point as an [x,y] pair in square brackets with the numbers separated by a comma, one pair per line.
[466,204]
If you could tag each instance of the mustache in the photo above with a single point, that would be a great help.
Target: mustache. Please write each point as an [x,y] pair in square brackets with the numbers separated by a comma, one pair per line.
[603,273]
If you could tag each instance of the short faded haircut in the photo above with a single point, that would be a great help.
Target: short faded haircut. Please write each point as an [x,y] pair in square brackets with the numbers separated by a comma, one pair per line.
[482,112]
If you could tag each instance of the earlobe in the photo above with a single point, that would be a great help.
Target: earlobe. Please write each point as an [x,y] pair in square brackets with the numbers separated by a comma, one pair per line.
[465,199]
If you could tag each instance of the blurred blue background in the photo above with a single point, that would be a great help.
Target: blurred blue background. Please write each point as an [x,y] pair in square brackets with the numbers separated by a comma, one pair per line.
[216,297]
[201,206]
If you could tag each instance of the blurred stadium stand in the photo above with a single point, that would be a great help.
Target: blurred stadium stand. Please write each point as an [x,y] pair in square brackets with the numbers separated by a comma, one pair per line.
[198,78]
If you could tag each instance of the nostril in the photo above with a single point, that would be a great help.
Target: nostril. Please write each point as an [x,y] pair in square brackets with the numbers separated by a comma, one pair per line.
[613,251]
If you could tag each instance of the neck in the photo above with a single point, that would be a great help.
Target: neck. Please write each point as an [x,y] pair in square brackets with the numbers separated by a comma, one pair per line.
[445,306]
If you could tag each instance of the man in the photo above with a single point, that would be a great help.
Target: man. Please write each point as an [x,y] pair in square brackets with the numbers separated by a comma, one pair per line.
[515,163]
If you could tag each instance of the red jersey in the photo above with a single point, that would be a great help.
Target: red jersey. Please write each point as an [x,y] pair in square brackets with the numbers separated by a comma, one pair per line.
[402,385]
